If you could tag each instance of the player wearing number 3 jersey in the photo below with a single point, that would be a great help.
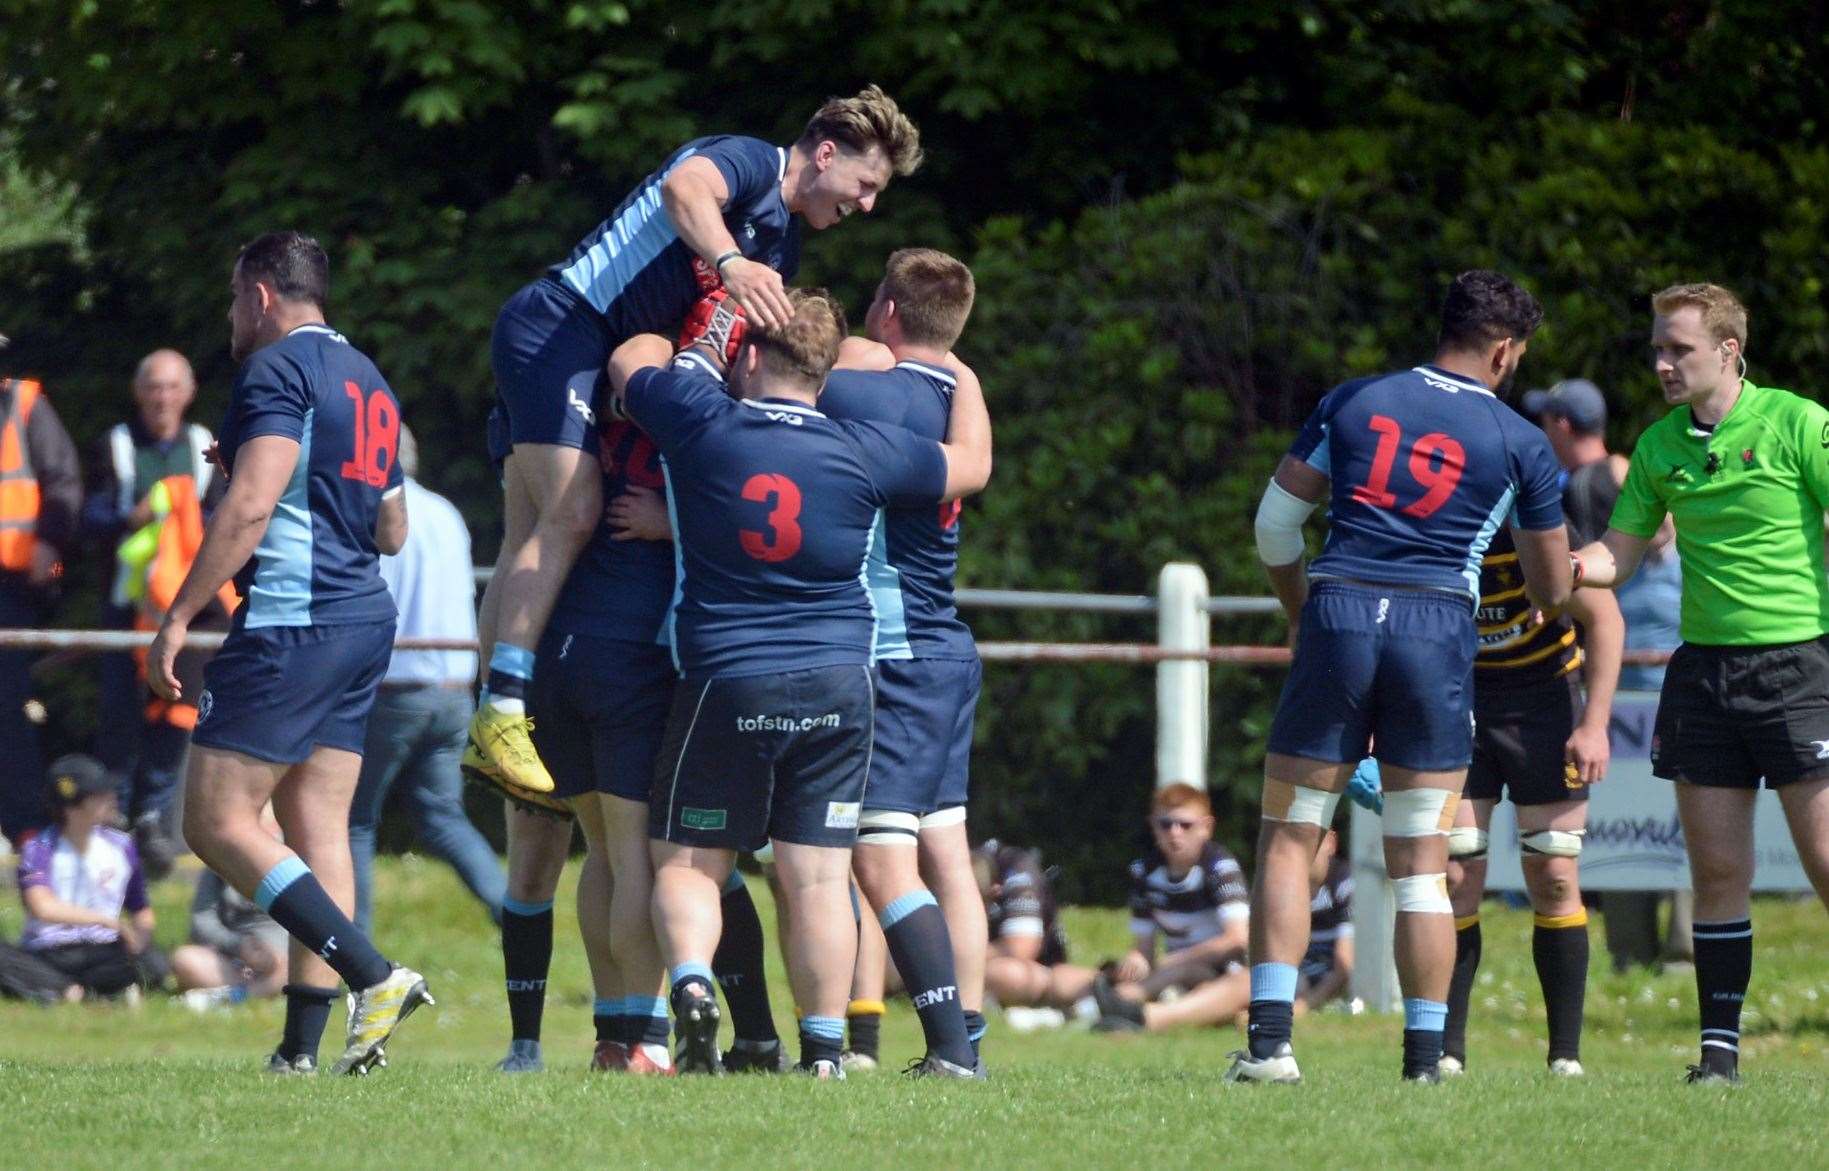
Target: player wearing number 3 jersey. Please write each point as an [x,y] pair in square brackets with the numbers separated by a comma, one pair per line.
[774,509]
[1420,468]
[315,495]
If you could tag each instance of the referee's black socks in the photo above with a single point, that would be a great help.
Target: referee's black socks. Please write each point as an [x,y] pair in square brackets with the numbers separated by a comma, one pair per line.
[1467,942]
[1559,945]
[1724,966]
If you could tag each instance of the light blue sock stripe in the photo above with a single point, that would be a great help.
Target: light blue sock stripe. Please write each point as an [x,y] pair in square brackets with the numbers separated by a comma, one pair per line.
[1273,982]
[905,906]
[692,970]
[1430,1016]
[826,1028]
[512,660]
[609,1006]
[649,1006]
[734,883]
[284,873]
[517,907]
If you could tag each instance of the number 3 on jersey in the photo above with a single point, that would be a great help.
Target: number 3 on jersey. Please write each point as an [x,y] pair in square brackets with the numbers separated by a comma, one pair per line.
[782,540]
[377,436]
[1437,476]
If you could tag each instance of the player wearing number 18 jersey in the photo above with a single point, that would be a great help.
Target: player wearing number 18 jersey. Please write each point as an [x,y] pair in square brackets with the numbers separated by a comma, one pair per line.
[774,506]
[1420,468]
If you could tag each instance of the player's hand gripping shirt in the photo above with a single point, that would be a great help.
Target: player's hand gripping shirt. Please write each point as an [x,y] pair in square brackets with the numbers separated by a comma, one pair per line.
[636,271]
[916,551]
[316,564]
[1748,499]
[1425,467]
[775,508]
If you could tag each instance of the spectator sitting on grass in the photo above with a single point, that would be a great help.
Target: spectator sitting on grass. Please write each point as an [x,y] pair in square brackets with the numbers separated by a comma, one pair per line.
[86,912]
[236,951]
[1026,966]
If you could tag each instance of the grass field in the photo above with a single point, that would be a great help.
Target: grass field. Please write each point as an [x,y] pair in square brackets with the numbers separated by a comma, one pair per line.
[85,1086]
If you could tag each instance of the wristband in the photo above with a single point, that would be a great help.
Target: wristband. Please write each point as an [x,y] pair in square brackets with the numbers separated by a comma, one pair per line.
[1577,569]
[725,258]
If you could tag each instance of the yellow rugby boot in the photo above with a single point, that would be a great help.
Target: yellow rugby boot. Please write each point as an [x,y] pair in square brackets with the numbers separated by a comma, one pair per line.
[477,769]
[374,1013]
[506,742]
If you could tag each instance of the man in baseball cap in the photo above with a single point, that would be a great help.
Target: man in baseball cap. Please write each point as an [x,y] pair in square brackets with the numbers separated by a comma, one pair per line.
[1569,411]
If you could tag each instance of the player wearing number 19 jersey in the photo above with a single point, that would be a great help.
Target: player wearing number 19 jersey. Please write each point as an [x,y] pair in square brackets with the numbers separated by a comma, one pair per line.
[1420,468]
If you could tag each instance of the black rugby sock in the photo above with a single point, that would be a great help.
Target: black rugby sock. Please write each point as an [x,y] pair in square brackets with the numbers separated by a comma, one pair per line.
[864,1027]
[295,899]
[738,965]
[307,1012]
[1724,967]
[527,952]
[923,954]
[975,1028]
[1559,945]
[1467,943]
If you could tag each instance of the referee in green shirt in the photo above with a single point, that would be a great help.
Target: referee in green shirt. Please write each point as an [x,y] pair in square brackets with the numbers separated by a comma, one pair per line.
[1744,471]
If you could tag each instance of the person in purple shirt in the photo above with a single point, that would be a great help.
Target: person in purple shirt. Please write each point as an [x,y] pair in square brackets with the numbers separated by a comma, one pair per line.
[774,509]
[86,911]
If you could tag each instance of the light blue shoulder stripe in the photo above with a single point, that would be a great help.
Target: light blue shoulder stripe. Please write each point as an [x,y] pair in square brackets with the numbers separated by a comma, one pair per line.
[627,246]
[884,581]
[281,593]
[1477,551]
[669,631]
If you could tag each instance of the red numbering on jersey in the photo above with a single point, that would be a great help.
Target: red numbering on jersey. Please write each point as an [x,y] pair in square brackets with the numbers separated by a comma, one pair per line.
[782,540]
[1436,461]
[949,513]
[377,436]
[626,451]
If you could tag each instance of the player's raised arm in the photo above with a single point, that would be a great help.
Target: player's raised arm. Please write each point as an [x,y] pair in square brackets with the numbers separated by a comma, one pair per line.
[968,439]
[1288,500]
[1549,574]
[694,195]
[640,352]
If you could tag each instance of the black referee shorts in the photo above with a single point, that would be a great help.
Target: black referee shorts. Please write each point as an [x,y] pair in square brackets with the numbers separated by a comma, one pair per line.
[1732,715]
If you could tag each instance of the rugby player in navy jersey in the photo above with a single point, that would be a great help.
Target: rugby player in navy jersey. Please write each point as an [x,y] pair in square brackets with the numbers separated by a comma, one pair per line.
[314,496]
[928,673]
[1419,467]
[720,210]
[775,508]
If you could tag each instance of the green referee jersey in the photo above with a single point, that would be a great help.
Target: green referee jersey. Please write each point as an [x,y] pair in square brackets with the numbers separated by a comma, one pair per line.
[1748,501]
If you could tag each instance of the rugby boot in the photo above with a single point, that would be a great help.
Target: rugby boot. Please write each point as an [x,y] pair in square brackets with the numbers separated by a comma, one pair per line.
[1452,1066]
[1278,1069]
[477,769]
[523,1057]
[696,1019]
[932,1066]
[610,1057]
[649,1060]
[374,1013]
[751,1059]
[303,1065]
[1561,1067]
[854,1062]
[1425,1077]
[1702,1075]
[825,1070]
[505,741]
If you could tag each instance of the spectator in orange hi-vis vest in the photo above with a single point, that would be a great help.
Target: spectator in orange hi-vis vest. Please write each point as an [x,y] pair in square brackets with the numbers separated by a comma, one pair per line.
[147,477]
[40,493]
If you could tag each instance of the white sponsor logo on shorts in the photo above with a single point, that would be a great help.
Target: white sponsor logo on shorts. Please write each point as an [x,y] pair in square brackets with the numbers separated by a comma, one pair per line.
[842,814]
[786,723]
[206,703]
[1384,608]
[577,404]
[1822,746]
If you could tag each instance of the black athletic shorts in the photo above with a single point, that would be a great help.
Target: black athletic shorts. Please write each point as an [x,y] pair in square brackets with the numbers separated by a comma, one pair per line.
[1731,715]
[1519,736]
[757,758]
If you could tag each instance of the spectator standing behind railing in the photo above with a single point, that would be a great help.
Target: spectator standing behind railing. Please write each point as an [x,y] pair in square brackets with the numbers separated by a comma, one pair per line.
[40,494]
[416,731]
[128,503]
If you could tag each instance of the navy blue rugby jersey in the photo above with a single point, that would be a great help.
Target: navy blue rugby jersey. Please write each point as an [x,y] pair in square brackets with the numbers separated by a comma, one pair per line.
[317,565]
[619,589]
[636,271]
[775,507]
[916,551]
[1425,466]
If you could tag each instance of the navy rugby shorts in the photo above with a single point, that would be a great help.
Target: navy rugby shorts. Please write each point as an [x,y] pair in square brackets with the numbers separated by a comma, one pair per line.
[550,352]
[277,692]
[924,710]
[599,706]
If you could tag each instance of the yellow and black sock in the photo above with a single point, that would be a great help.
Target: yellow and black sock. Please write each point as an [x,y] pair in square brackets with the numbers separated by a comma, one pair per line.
[1559,945]
[864,1027]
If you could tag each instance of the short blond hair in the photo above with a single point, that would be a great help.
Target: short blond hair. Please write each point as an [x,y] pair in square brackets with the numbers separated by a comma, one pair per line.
[870,119]
[1723,316]
[933,295]
[804,349]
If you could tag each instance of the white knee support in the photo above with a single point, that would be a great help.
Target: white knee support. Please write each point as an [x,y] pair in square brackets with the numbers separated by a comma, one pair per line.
[1423,894]
[941,818]
[1557,843]
[1299,804]
[888,827]
[1466,843]
[1418,813]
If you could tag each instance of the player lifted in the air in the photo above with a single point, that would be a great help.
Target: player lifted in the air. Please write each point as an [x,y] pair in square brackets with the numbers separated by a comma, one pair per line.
[1419,467]
[719,211]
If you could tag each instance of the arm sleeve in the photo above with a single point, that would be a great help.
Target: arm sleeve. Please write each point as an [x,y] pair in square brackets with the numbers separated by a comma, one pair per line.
[35,863]
[207,926]
[750,166]
[1311,442]
[668,402]
[1640,509]
[1539,479]
[59,472]
[1812,440]
[1139,894]
[273,402]
[1226,881]
[135,899]
[909,471]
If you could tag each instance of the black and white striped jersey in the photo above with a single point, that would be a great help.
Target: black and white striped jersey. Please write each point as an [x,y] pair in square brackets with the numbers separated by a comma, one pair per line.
[1193,907]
